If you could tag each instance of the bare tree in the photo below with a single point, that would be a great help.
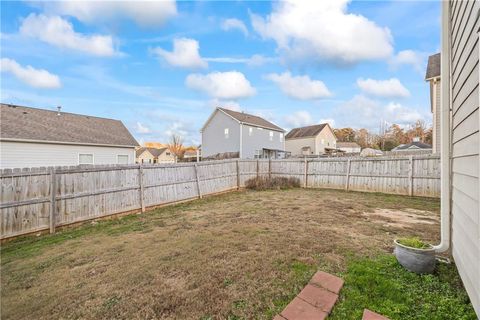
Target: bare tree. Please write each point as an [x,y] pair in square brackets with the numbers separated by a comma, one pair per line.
[176,146]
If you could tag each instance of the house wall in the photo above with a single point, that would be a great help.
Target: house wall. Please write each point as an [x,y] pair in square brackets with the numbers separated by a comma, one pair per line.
[254,139]
[213,135]
[146,156]
[325,139]
[295,145]
[166,157]
[436,114]
[460,26]
[22,154]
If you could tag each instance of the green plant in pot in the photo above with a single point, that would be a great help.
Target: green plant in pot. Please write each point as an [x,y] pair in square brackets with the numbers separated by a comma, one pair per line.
[415,255]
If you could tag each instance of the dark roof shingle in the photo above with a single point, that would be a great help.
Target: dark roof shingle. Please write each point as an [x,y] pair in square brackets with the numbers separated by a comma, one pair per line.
[154,151]
[303,132]
[418,144]
[251,119]
[25,123]
[433,66]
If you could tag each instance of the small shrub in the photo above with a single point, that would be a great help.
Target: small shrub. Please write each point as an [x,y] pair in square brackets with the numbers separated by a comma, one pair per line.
[414,242]
[276,183]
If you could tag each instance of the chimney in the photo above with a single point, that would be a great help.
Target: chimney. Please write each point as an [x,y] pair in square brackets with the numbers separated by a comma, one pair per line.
[59,110]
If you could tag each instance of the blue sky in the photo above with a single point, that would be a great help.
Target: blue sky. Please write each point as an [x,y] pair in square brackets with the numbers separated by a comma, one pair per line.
[161,67]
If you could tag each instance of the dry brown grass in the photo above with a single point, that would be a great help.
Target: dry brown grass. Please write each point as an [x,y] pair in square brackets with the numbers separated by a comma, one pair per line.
[238,255]
[275,183]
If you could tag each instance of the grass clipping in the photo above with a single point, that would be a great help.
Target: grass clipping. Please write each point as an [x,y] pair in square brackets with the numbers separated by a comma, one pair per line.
[275,183]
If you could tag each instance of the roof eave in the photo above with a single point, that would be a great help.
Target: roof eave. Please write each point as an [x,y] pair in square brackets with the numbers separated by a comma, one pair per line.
[67,143]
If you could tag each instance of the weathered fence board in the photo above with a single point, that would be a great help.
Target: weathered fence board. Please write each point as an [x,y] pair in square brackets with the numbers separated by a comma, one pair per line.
[29,197]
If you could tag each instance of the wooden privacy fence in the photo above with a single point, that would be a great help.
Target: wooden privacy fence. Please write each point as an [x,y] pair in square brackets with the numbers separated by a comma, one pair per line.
[35,199]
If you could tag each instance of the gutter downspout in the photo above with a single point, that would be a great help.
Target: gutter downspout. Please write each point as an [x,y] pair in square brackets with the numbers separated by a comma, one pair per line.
[445,133]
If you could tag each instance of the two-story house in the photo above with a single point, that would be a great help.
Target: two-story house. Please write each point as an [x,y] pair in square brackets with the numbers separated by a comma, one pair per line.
[249,136]
[433,77]
[310,140]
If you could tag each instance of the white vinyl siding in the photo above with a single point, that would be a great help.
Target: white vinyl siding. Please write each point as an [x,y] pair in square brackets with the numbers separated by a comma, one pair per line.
[464,91]
[29,155]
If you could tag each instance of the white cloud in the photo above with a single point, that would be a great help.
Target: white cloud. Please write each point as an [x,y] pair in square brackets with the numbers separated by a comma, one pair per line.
[409,57]
[227,104]
[234,24]
[145,13]
[323,30]
[221,85]
[37,78]
[391,88]
[254,61]
[56,31]
[363,112]
[299,119]
[140,128]
[331,122]
[300,87]
[184,55]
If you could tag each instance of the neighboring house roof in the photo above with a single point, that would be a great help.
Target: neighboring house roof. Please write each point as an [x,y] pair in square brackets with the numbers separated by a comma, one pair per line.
[250,119]
[347,145]
[155,152]
[305,132]
[413,145]
[433,67]
[30,124]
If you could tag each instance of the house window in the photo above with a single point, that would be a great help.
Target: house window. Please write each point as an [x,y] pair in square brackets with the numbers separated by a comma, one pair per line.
[250,131]
[85,158]
[271,135]
[122,159]
[226,133]
[281,137]
[167,153]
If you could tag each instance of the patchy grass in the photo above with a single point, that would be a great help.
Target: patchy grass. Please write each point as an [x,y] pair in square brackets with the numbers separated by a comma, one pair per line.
[275,183]
[239,255]
[383,286]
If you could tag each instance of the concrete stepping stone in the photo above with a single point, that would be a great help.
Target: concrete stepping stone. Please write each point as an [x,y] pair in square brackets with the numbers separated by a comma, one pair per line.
[370,315]
[319,297]
[327,281]
[299,309]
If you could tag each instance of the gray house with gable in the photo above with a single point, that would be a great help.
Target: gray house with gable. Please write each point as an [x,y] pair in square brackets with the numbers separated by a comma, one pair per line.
[244,135]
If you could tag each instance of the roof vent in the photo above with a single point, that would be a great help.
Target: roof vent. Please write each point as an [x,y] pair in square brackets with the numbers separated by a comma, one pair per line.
[59,110]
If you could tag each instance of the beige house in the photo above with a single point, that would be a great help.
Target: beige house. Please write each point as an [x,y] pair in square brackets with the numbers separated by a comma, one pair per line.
[154,155]
[349,147]
[311,140]
[433,77]
[31,137]
[459,133]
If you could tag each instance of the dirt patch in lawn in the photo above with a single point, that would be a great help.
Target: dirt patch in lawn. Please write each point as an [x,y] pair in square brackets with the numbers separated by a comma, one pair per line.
[238,255]
[402,218]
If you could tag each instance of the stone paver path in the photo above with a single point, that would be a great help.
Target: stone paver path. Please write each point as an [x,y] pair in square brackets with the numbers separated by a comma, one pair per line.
[315,301]
[370,315]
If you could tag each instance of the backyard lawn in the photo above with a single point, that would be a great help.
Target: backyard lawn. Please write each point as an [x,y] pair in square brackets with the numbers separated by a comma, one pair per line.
[241,255]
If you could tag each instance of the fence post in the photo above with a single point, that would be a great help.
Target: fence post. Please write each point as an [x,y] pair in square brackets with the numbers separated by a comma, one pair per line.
[305,173]
[269,168]
[410,176]
[142,187]
[53,199]
[258,168]
[198,181]
[347,178]
[238,175]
